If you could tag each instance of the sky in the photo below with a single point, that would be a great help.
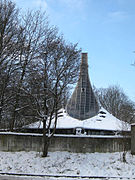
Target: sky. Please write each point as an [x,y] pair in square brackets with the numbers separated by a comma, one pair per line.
[105,29]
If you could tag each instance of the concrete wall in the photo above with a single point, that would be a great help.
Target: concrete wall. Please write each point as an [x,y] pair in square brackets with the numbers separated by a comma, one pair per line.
[33,142]
[133,139]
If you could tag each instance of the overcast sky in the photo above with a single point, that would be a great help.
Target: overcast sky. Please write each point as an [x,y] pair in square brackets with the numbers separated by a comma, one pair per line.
[103,28]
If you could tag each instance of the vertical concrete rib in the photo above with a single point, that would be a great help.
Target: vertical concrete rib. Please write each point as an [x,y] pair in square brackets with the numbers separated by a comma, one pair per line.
[83,104]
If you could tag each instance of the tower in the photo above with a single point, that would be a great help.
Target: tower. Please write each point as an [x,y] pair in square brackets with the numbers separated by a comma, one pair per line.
[83,104]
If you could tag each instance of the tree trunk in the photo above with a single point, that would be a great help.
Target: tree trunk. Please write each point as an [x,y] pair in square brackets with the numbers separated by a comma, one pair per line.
[0,116]
[124,157]
[14,114]
[45,139]
[2,104]
[45,146]
[17,97]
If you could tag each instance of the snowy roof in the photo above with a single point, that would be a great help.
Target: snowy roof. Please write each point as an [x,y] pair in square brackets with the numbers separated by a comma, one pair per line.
[103,121]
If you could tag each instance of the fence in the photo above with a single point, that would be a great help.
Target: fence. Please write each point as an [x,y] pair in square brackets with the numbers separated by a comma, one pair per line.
[72,143]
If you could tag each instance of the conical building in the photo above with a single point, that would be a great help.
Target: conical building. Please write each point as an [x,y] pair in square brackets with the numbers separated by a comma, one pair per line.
[83,104]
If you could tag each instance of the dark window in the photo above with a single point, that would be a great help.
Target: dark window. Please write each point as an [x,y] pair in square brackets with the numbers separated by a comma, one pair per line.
[102,116]
[83,89]
[102,112]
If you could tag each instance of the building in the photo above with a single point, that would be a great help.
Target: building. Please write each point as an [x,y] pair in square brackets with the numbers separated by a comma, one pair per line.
[103,123]
[83,104]
[83,115]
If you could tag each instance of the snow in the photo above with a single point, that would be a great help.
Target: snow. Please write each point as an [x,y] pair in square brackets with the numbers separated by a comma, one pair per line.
[21,134]
[101,121]
[63,135]
[67,163]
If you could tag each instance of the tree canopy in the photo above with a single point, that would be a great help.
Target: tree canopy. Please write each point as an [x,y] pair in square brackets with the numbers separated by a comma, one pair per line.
[37,65]
[115,101]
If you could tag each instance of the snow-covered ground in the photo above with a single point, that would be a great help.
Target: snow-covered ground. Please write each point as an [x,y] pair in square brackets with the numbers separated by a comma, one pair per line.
[66,163]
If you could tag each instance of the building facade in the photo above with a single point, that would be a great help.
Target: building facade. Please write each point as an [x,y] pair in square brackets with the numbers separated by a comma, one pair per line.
[83,104]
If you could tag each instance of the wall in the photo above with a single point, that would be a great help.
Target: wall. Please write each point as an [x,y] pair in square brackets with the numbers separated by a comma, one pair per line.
[133,139]
[33,142]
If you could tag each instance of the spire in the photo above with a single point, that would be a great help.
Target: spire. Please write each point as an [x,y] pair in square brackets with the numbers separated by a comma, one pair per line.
[83,104]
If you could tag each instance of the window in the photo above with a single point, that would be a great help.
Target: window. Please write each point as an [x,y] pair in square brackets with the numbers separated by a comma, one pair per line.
[83,90]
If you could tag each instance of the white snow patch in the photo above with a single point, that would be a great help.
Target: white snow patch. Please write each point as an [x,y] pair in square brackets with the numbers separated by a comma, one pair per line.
[108,122]
[64,135]
[66,163]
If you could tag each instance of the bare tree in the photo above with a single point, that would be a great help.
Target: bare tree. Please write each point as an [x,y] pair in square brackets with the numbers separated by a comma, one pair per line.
[64,72]
[114,100]
[47,65]
[8,40]
[33,32]
[36,68]
[56,68]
